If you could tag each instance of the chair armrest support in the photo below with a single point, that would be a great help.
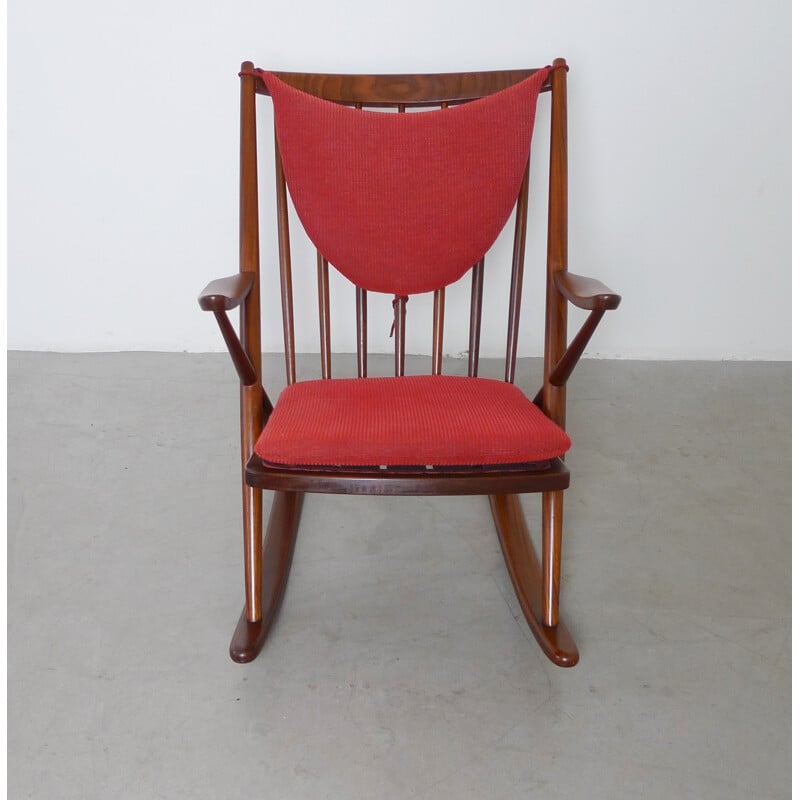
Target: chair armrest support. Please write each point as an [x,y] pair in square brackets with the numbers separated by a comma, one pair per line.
[225,294]
[585,293]
[589,294]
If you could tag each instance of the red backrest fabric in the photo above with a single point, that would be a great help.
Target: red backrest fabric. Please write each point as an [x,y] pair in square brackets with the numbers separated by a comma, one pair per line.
[404,203]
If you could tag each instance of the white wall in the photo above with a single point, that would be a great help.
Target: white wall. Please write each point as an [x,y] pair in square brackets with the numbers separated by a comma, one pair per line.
[123,163]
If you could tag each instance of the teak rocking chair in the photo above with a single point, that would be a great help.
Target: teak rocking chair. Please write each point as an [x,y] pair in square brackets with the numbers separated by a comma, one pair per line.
[403,204]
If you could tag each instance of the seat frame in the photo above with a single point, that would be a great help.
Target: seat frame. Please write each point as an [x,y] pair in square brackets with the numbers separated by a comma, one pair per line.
[267,561]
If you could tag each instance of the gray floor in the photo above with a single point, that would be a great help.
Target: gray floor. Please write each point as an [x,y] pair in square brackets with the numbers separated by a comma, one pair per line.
[400,666]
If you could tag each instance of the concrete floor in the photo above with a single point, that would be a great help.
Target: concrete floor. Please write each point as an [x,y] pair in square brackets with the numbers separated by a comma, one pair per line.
[400,666]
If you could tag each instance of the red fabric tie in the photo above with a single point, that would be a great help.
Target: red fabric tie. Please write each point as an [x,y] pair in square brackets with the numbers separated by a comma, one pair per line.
[394,308]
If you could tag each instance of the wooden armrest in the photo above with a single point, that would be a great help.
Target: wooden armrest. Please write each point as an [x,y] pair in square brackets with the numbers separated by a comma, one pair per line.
[585,292]
[224,294]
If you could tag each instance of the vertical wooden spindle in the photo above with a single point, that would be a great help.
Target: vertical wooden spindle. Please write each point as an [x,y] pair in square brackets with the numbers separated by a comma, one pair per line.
[476,306]
[287,305]
[517,265]
[361,330]
[552,517]
[438,330]
[399,304]
[324,298]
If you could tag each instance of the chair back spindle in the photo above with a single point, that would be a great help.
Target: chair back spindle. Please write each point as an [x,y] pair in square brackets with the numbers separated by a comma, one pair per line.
[361,331]
[517,266]
[476,305]
[284,256]
[399,304]
[438,330]
[324,298]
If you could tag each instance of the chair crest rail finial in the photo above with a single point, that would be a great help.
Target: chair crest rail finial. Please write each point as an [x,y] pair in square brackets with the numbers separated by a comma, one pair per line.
[256,72]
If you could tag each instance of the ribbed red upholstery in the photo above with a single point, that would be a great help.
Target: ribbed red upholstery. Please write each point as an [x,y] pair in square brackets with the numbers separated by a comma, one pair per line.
[405,203]
[414,420]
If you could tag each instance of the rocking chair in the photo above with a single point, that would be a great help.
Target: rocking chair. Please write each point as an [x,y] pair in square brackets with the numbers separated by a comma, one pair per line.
[403,204]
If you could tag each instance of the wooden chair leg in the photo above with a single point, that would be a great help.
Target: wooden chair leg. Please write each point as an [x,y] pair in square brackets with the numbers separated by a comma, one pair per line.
[526,577]
[552,518]
[271,563]
[253,521]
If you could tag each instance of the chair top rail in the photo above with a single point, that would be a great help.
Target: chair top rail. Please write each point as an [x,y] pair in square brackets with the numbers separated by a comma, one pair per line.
[409,90]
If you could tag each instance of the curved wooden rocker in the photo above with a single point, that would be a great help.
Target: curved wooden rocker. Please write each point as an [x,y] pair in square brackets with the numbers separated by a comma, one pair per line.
[537,599]
[278,548]
[404,435]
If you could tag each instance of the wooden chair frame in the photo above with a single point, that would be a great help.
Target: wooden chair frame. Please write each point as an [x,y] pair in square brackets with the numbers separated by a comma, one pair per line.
[267,562]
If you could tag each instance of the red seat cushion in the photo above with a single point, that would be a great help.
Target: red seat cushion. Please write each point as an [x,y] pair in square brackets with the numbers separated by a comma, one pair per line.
[415,420]
[405,203]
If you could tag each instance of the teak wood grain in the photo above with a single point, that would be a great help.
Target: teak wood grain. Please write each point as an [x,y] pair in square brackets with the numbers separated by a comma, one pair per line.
[408,90]
[550,475]
[225,294]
